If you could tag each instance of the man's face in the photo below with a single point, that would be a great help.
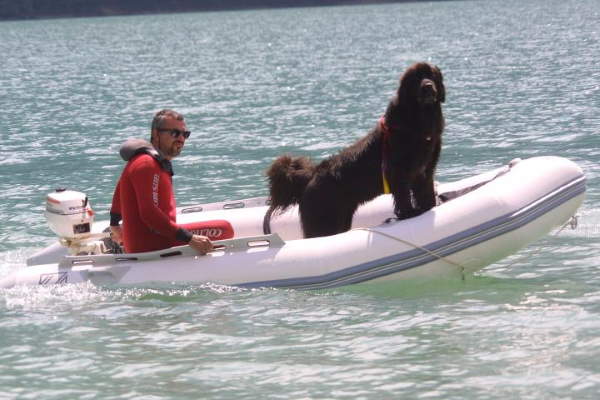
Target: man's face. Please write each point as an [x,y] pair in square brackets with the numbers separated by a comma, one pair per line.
[166,142]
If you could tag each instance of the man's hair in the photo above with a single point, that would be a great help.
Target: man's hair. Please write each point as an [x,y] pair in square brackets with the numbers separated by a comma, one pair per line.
[161,116]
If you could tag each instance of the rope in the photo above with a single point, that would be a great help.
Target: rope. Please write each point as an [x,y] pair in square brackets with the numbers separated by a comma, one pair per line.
[416,246]
[572,222]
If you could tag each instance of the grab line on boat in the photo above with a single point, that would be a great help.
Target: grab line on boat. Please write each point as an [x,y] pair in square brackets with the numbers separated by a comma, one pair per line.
[416,246]
[571,222]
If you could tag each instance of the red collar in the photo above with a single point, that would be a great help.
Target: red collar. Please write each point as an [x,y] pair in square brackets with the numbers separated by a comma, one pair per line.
[385,130]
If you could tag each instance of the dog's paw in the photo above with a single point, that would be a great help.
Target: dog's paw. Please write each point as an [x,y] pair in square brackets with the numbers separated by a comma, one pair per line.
[411,213]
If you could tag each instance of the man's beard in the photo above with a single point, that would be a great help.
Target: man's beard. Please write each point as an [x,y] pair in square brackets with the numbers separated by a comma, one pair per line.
[175,150]
[172,151]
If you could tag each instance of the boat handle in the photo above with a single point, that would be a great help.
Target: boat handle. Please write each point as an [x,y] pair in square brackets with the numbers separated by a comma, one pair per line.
[84,261]
[258,243]
[237,204]
[189,210]
[171,254]
[249,243]
[272,240]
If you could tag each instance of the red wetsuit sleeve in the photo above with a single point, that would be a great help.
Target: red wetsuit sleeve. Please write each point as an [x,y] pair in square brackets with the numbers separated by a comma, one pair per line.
[115,209]
[152,187]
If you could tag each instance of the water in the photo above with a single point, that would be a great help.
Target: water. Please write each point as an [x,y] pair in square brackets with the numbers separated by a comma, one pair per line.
[522,80]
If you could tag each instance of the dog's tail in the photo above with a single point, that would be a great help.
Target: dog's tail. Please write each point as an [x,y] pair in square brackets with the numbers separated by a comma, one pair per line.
[288,177]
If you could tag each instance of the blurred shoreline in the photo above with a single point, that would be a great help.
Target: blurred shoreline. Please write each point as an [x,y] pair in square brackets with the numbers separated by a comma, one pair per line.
[35,9]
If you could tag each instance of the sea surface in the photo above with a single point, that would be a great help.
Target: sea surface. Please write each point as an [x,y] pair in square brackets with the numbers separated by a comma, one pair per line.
[522,79]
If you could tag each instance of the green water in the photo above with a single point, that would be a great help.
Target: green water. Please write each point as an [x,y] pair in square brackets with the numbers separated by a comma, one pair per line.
[522,80]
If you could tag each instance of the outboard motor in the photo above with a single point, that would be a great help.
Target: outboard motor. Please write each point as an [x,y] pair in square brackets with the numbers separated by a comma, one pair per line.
[70,216]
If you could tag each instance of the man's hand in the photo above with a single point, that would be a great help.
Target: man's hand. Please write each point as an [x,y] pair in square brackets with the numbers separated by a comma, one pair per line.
[201,244]
[116,234]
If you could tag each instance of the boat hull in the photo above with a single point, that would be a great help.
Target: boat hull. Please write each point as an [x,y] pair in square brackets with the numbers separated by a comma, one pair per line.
[463,235]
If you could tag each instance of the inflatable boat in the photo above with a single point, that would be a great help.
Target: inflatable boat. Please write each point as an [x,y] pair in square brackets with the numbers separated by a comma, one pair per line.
[479,221]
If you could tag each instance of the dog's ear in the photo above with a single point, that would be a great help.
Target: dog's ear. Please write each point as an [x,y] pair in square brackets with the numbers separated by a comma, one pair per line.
[391,113]
[407,86]
[439,82]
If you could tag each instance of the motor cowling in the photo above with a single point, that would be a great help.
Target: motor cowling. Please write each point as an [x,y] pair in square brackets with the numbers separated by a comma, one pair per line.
[69,214]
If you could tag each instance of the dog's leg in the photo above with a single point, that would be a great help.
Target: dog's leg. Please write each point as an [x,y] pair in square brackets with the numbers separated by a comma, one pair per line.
[345,219]
[424,187]
[326,221]
[318,217]
[424,192]
[403,201]
[401,188]
[318,224]
[324,213]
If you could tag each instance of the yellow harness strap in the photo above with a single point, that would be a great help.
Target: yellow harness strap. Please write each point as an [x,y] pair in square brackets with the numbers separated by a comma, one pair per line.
[384,154]
[386,184]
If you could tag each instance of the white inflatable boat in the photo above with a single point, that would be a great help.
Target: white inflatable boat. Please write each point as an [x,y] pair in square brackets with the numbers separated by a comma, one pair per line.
[481,220]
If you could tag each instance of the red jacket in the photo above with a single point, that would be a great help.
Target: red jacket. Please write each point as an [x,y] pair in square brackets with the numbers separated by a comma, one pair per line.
[145,201]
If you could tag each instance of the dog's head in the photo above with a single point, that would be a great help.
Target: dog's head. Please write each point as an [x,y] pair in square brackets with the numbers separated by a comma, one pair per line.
[423,85]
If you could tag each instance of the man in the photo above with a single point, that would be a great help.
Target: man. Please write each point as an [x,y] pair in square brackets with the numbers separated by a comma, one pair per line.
[144,197]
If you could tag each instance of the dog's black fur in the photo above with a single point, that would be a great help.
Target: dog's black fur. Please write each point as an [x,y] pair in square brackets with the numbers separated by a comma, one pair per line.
[329,193]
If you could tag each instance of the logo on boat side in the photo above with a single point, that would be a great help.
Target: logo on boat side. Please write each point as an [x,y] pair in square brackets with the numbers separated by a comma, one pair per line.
[54,279]
[209,232]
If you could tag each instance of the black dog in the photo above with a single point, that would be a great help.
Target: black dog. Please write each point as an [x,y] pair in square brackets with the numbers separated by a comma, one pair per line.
[399,155]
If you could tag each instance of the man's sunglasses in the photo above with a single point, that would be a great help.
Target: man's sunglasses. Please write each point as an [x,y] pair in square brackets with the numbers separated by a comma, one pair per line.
[175,133]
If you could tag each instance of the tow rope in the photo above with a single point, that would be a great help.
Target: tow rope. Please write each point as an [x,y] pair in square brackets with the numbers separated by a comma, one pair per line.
[461,268]
[571,222]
